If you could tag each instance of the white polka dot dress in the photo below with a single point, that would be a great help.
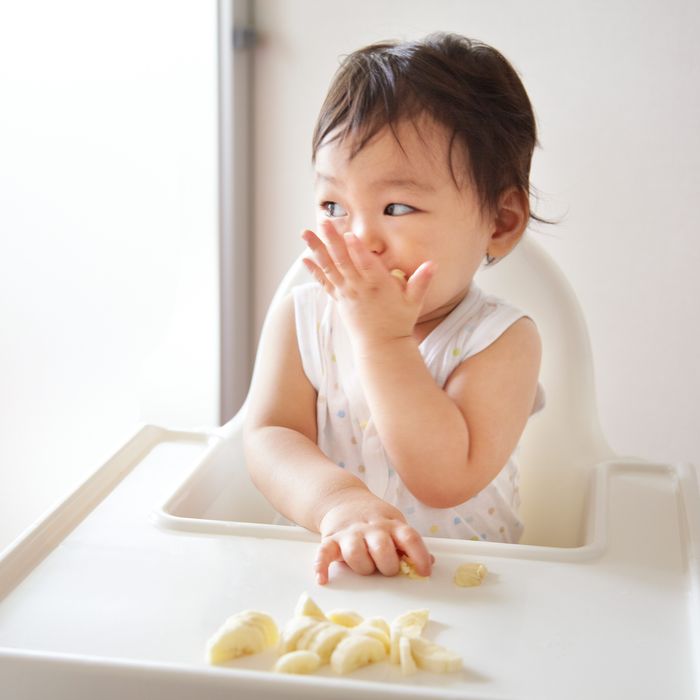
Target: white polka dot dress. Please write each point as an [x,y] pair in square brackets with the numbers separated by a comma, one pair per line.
[346,433]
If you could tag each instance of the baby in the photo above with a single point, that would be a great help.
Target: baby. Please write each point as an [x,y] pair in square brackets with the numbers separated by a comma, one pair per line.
[390,394]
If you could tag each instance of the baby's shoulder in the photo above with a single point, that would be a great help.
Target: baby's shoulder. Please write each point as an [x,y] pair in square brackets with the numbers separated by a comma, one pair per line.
[478,321]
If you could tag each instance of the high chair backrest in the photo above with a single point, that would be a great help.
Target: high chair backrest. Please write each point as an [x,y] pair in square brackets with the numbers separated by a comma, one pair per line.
[564,440]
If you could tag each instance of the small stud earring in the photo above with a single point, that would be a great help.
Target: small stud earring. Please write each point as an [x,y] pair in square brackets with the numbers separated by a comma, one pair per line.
[490,259]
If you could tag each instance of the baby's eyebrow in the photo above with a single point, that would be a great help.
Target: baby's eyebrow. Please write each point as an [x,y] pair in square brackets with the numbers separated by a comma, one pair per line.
[385,183]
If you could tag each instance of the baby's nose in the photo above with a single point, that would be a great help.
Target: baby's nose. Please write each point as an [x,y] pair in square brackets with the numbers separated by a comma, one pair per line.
[370,235]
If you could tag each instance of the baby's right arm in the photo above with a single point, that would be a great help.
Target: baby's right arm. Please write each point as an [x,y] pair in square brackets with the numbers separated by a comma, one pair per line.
[287,466]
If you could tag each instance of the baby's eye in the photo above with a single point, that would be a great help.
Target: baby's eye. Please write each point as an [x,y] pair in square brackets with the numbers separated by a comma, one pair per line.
[398,209]
[333,209]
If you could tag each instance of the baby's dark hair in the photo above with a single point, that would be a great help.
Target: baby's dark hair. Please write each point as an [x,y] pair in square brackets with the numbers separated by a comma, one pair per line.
[466,86]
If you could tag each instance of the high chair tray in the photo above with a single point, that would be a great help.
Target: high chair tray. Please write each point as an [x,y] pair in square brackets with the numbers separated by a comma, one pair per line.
[115,593]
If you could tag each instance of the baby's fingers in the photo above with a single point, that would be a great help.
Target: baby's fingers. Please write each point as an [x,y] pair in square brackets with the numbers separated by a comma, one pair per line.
[320,277]
[339,254]
[411,543]
[382,549]
[419,282]
[324,267]
[328,552]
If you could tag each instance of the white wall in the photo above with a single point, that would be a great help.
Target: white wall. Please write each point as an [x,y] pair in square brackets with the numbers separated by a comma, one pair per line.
[616,89]
[108,235]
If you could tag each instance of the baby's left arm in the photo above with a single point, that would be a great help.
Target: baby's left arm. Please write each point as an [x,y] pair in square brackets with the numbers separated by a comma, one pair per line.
[449,444]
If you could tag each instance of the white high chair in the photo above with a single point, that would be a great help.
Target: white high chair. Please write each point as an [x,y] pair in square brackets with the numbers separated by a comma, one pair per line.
[116,591]
[563,442]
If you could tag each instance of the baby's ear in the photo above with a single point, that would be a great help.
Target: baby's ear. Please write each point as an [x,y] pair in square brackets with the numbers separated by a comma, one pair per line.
[509,222]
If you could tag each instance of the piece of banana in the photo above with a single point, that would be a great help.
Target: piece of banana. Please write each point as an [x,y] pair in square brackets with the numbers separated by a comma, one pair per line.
[399,274]
[294,630]
[247,632]
[371,630]
[432,657]
[410,624]
[408,568]
[307,607]
[470,575]
[308,635]
[301,661]
[322,639]
[346,618]
[408,663]
[380,623]
[356,651]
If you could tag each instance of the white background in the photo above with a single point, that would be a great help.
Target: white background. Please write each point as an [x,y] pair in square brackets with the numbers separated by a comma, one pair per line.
[616,90]
[108,235]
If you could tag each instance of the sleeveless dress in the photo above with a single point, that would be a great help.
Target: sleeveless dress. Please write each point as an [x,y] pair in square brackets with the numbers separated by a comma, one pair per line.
[346,432]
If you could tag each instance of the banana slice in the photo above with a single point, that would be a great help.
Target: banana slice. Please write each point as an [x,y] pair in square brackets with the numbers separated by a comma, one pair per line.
[408,568]
[369,630]
[470,575]
[408,663]
[380,623]
[433,657]
[307,636]
[346,618]
[322,639]
[410,624]
[399,274]
[298,662]
[306,607]
[247,632]
[356,651]
[294,630]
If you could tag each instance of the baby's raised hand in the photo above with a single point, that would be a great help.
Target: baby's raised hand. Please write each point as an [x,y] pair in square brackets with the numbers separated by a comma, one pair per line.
[374,304]
[368,535]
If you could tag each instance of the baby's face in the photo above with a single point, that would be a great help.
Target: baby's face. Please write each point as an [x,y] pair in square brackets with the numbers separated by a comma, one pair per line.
[401,201]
